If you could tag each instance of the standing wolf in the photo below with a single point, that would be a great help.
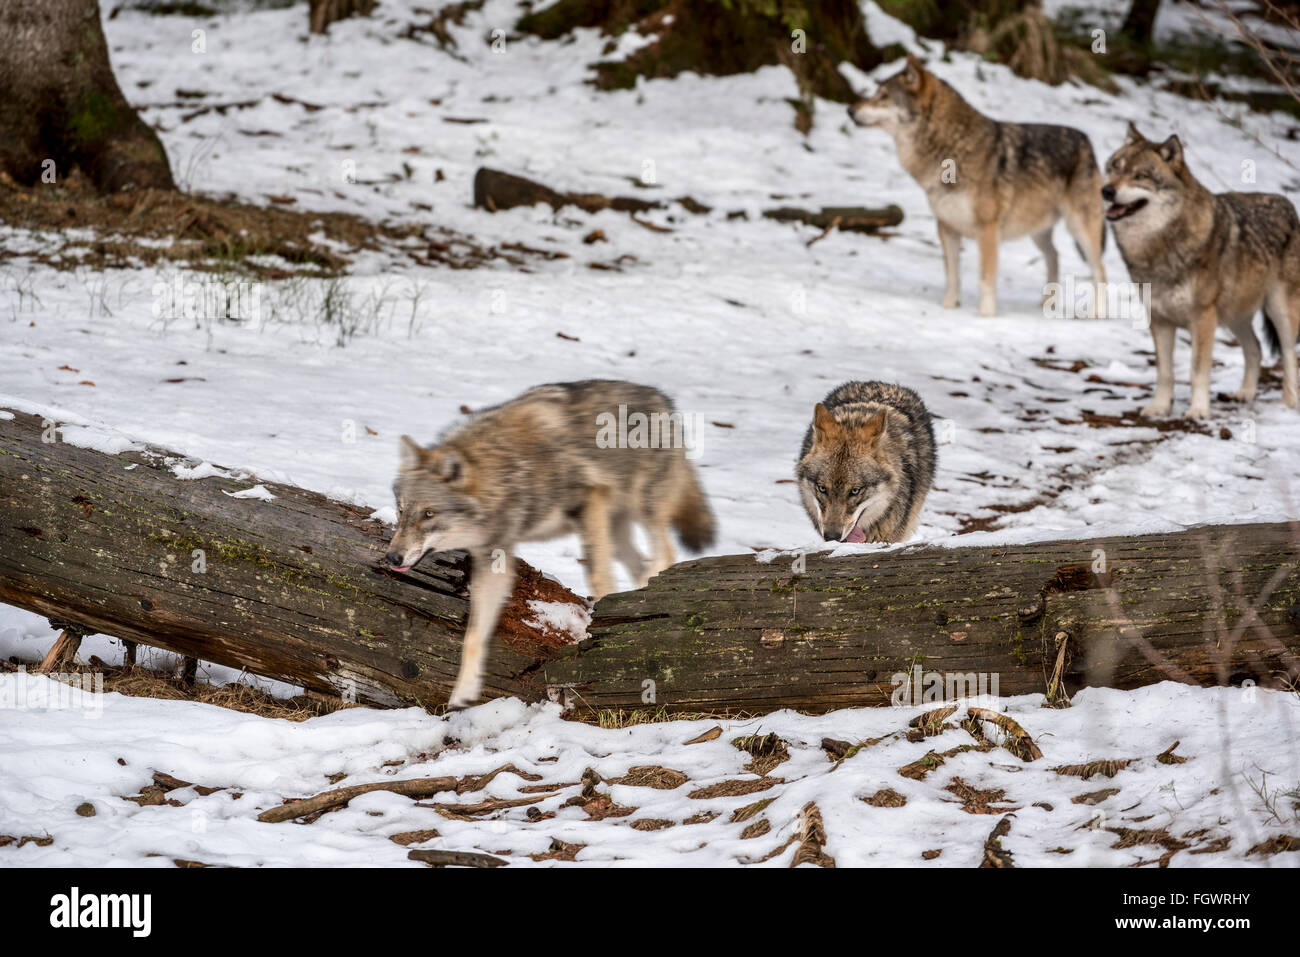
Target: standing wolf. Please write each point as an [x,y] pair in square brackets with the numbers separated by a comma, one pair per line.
[867,463]
[540,466]
[1211,260]
[987,180]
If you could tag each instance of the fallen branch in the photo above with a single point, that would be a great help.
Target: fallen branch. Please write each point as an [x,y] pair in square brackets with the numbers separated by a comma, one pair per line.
[455,858]
[339,797]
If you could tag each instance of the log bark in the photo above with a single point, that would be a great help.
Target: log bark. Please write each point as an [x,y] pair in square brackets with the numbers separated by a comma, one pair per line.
[291,588]
[1210,605]
[60,103]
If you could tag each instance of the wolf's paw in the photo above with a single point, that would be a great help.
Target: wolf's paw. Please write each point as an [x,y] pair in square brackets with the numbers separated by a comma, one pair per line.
[1243,395]
[1197,410]
[1291,401]
[950,302]
[988,308]
[1155,410]
[464,694]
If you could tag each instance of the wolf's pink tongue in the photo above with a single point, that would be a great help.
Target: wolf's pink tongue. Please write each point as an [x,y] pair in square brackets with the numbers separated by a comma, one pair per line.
[857,535]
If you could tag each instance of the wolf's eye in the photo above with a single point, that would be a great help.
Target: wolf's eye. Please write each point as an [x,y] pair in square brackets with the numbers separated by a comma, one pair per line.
[855,491]
[428,513]
[821,488]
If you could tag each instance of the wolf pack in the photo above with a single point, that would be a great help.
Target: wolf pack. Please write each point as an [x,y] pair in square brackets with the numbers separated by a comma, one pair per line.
[530,469]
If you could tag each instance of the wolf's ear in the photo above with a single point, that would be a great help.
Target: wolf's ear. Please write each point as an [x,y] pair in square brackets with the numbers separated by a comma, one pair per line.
[410,452]
[871,430]
[1171,151]
[1132,135]
[912,74]
[449,466]
[825,428]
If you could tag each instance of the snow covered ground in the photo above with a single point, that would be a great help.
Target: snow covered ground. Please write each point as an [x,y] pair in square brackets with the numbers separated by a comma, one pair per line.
[741,321]
[661,799]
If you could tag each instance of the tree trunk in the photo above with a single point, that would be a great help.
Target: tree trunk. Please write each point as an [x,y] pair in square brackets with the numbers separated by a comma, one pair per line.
[321,13]
[290,588]
[60,104]
[1140,24]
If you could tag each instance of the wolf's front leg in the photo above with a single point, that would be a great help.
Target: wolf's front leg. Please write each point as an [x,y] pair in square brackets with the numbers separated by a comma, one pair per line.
[1163,335]
[988,243]
[491,583]
[951,243]
[1203,329]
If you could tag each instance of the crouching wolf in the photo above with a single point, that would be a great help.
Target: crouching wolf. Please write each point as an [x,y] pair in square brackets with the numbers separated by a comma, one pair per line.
[1211,259]
[867,463]
[538,467]
[988,180]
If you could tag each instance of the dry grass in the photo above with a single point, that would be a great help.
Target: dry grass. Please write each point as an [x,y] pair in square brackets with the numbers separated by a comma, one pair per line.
[141,682]
[615,718]
[216,234]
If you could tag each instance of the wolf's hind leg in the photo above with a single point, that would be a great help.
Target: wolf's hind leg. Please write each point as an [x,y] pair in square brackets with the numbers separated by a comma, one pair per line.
[625,549]
[596,539]
[1045,245]
[1250,348]
[662,554]
[1282,309]
[1083,218]
[490,586]
[988,245]
[951,243]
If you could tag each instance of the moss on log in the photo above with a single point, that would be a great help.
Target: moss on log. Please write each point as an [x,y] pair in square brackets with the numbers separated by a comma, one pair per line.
[292,588]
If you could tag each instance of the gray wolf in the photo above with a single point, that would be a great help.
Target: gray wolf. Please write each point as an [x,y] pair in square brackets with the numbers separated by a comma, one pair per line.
[1211,259]
[987,180]
[538,467]
[867,463]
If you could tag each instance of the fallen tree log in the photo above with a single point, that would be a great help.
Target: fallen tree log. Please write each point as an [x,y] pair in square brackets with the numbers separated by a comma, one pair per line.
[1210,605]
[853,219]
[495,191]
[292,588]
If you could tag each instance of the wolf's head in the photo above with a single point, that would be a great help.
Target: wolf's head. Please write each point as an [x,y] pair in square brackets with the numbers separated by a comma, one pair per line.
[898,101]
[1144,181]
[844,478]
[437,509]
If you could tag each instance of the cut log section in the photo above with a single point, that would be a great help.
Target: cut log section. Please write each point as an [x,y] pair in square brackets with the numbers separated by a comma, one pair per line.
[290,588]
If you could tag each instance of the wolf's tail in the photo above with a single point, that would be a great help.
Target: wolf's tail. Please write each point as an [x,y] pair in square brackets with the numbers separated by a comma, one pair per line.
[1271,337]
[692,517]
